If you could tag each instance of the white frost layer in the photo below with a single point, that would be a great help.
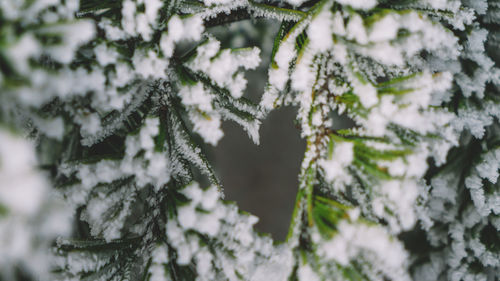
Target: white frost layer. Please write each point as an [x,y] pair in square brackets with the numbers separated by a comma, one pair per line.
[31,215]
[359,4]
[336,164]
[206,120]
[372,244]
[222,65]
[22,187]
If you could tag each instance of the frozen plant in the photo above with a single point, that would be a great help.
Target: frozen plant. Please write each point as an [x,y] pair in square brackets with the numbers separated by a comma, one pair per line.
[119,99]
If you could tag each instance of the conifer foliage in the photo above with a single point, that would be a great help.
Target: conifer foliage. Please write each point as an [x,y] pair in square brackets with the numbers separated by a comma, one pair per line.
[107,106]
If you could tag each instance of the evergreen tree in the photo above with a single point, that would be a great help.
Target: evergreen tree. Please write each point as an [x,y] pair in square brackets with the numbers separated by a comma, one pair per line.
[107,107]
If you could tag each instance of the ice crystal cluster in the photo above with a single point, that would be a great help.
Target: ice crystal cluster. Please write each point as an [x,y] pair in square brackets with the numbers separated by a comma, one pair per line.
[107,107]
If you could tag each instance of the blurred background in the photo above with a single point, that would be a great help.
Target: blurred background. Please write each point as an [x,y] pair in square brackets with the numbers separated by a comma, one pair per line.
[262,179]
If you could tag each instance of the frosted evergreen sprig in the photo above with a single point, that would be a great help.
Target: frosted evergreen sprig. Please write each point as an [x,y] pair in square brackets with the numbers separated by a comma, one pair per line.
[154,149]
[128,93]
[325,75]
[333,59]
[458,210]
